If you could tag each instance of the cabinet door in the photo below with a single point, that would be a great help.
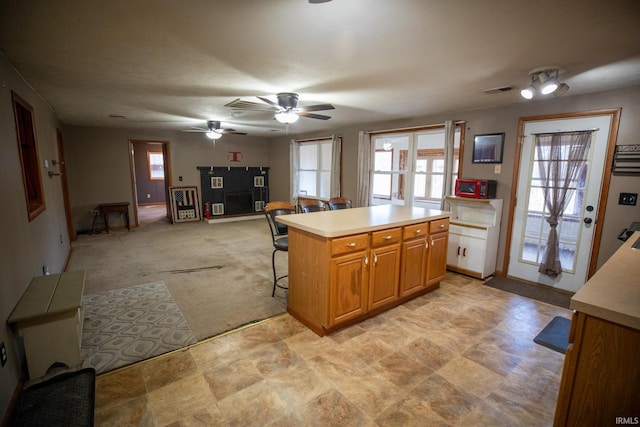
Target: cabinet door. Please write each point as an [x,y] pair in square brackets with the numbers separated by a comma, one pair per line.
[413,268]
[437,264]
[472,253]
[385,273]
[348,287]
[454,250]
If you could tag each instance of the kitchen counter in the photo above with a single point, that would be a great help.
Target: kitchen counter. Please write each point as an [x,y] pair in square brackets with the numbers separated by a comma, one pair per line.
[345,222]
[613,292]
[347,265]
[601,376]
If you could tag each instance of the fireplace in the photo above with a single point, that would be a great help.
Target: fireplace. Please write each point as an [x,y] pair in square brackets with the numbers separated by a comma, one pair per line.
[238,202]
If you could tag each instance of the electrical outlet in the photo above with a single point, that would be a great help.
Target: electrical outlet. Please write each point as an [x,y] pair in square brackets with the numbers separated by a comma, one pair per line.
[3,354]
[629,199]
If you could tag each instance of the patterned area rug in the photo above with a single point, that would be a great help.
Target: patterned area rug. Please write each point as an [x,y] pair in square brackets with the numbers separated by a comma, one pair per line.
[127,325]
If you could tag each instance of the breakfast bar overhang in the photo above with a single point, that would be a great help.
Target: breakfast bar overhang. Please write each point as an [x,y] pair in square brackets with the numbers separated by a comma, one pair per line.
[350,264]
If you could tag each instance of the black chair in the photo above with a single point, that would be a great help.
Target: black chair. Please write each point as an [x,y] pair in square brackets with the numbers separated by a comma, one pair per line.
[311,205]
[336,203]
[278,235]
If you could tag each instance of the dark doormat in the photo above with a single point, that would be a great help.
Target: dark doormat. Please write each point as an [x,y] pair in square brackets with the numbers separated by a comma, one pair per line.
[555,335]
[538,292]
[65,400]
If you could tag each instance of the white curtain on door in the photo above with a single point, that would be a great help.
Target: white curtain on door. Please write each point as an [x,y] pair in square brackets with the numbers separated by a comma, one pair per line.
[561,156]
[364,169]
[449,147]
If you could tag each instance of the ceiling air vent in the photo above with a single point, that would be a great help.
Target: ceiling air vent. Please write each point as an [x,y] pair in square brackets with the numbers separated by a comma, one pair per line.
[498,90]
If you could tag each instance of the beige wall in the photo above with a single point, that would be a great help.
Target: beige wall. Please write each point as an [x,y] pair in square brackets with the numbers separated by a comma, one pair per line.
[491,120]
[25,246]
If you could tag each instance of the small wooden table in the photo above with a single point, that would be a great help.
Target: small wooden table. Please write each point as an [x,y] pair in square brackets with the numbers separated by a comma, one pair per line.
[107,208]
[49,318]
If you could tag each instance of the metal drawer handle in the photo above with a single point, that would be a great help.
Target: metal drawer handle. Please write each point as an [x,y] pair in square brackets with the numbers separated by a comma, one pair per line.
[366,261]
[417,231]
[441,226]
[351,245]
[387,237]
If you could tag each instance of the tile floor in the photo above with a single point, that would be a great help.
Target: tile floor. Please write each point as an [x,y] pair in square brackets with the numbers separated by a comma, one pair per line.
[462,355]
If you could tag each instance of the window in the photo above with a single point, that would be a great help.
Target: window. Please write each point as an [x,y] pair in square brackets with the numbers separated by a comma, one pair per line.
[314,170]
[29,158]
[409,166]
[155,165]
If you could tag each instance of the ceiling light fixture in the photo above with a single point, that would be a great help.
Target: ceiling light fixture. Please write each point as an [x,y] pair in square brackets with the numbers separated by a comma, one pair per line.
[212,134]
[546,81]
[287,117]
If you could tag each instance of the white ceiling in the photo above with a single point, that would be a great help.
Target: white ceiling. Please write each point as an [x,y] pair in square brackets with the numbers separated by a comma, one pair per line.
[172,64]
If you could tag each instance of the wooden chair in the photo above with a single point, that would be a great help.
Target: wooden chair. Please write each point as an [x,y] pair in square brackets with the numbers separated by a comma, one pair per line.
[278,235]
[311,205]
[336,203]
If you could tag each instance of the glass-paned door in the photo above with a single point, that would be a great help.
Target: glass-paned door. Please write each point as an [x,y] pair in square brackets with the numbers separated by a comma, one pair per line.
[576,224]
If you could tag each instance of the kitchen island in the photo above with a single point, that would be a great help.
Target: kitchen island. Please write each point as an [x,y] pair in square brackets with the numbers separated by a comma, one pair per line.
[601,375]
[347,265]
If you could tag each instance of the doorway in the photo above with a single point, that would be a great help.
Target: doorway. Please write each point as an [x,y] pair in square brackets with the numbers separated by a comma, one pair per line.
[578,226]
[151,178]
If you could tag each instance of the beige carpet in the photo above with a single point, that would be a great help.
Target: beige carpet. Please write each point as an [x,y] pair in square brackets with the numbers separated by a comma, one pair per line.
[219,274]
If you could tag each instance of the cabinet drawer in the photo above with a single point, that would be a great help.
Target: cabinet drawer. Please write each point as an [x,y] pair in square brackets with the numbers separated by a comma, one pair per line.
[386,237]
[416,230]
[349,244]
[438,226]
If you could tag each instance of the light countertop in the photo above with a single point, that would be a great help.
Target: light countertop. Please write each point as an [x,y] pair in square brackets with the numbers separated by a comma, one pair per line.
[613,292]
[345,222]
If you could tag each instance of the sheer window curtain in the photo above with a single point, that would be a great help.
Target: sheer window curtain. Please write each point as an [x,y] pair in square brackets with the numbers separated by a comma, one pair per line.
[449,147]
[336,156]
[561,157]
[363,196]
[294,165]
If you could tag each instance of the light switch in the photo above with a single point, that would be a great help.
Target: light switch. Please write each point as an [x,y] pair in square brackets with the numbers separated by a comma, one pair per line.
[497,169]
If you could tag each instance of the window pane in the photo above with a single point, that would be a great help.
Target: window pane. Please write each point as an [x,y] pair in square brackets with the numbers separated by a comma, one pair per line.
[326,156]
[382,185]
[308,156]
[436,187]
[383,160]
[325,184]
[308,183]
[420,186]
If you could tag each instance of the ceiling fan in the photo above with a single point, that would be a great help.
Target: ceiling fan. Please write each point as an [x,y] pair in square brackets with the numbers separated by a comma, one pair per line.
[286,110]
[214,131]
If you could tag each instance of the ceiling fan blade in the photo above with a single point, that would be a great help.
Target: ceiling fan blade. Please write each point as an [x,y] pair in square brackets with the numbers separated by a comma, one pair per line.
[313,116]
[196,130]
[232,132]
[268,101]
[318,107]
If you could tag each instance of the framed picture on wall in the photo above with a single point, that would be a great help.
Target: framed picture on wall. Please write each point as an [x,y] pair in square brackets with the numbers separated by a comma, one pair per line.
[487,148]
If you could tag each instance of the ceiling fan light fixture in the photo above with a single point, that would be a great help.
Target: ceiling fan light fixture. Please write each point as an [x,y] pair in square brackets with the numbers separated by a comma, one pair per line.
[212,134]
[287,117]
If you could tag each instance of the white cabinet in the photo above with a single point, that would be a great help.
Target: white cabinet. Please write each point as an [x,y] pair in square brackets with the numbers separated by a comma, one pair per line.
[473,235]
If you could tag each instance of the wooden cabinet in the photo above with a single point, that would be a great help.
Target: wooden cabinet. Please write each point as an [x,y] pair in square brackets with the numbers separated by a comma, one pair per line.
[385,267]
[600,383]
[414,259]
[437,253]
[473,235]
[334,282]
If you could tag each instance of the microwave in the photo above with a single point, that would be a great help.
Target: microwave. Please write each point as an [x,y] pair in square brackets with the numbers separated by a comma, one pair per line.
[476,188]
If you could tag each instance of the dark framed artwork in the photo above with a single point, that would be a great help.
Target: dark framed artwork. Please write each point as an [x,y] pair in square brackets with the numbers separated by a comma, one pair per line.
[487,148]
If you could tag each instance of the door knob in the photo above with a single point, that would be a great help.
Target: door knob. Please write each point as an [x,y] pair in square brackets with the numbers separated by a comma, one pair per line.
[588,220]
